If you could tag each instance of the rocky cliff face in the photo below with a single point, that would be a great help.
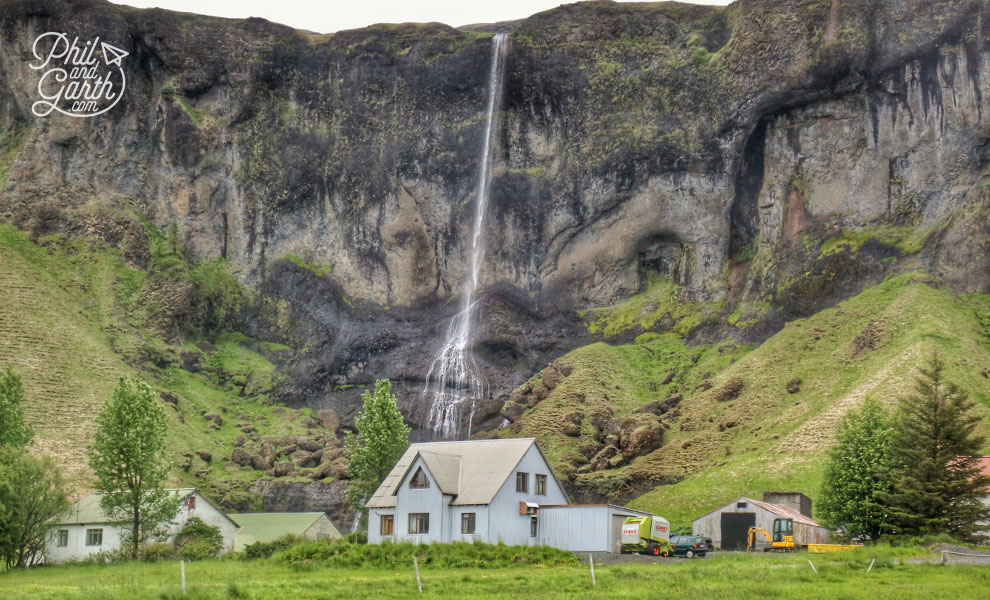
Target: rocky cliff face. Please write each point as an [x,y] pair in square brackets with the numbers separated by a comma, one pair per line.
[773,156]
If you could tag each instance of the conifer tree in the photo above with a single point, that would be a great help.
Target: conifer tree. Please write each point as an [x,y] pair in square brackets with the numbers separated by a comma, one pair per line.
[935,482]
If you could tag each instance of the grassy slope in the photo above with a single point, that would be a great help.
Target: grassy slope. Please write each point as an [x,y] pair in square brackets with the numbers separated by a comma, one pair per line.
[737,576]
[69,314]
[765,439]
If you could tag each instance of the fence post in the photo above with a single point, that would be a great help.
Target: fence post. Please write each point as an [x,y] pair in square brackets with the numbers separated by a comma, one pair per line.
[419,582]
[182,569]
[812,566]
[871,565]
[945,557]
[591,561]
[726,563]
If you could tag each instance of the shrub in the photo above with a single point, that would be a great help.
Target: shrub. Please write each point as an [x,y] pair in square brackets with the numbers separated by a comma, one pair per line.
[357,537]
[266,549]
[343,553]
[197,540]
[156,552]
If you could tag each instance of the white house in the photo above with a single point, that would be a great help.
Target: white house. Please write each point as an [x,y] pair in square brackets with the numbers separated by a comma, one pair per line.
[86,530]
[485,490]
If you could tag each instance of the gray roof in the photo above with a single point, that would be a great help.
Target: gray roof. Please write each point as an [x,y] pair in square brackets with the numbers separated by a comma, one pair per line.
[472,471]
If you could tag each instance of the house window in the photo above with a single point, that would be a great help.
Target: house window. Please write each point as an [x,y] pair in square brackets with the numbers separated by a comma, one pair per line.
[63,538]
[419,522]
[740,505]
[532,527]
[419,480]
[192,501]
[522,482]
[94,537]
[387,524]
[467,522]
[541,485]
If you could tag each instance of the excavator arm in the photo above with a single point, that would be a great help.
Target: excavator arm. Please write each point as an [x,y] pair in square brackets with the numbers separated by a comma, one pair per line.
[751,542]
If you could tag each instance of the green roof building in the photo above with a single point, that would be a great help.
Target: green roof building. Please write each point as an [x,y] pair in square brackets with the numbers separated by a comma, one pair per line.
[267,527]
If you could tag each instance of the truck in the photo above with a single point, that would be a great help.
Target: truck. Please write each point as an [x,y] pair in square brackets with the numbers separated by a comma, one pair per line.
[647,535]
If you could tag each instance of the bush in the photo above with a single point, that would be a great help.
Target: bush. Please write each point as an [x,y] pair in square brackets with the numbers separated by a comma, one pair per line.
[266,549]
[357,537]
[197,540]
[156,552]
[346,554]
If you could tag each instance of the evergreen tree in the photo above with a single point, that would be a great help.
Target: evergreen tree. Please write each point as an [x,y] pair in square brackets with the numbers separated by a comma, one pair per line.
[14,431]
[852,475]
[382,438]
[933,473]
[128,457]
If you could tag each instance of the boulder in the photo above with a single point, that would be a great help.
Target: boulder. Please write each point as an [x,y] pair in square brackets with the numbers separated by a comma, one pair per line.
[283,468]
[331,454]
[650,408]
[287,440]
[328,418]
[286,450]
[215,418]
[670,402]
[794,386]
[206,456]
[641,440]
[572,424]
[261,463]
[552,377]
[240,457]
[238,442]
[308,444]
[600,417]
[301,458]
[512,411]
[600,460]
[309,422]
[248,429]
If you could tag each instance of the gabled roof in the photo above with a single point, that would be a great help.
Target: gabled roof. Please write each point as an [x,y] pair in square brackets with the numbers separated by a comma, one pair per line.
[784,512]
[267,527]
[88,511]
[473,471]
[777,509]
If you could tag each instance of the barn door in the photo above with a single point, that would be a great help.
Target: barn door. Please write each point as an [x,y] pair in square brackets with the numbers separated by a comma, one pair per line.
[735,529]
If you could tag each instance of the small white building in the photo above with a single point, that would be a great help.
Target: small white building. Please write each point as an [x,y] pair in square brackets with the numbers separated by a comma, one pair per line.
[86,530]
[485,490]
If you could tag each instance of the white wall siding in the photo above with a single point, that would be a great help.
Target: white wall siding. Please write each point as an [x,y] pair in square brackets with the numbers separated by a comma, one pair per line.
[112,534]
[430,500]
[481,525]
[374,525]
[577,528]
[77,548]
[505,523]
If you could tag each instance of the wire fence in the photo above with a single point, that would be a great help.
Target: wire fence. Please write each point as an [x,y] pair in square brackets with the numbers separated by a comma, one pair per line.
[950,557]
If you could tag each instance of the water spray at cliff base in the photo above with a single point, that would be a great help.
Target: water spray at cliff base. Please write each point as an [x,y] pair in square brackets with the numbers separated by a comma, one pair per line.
[454,379]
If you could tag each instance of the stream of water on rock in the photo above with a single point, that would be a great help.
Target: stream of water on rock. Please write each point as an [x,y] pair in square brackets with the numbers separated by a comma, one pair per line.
[454,379]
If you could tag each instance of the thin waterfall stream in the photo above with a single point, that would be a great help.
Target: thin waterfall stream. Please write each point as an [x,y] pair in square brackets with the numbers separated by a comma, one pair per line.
[454,378]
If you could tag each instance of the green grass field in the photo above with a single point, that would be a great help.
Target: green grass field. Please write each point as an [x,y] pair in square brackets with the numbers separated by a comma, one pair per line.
[732,575]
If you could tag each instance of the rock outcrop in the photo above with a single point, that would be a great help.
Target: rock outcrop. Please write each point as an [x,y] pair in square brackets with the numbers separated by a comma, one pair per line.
[776,154]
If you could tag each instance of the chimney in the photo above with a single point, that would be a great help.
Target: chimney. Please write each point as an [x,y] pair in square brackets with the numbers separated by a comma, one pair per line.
[795,501]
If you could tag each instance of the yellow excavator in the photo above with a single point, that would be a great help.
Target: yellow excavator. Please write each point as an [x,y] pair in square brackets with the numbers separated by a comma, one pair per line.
[782,539]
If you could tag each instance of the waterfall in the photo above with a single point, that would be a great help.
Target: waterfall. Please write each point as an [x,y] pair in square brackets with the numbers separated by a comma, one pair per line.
[454,378]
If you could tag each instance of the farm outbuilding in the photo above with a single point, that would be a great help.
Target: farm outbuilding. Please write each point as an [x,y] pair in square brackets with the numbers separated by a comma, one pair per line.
[268,527]
[728,526]
[584,527]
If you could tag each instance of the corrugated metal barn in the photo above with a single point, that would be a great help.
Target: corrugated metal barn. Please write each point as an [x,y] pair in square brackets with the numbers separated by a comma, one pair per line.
[584,527]
[728,526]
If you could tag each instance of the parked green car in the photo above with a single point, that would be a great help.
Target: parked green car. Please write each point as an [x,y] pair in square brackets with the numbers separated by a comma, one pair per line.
[688,545]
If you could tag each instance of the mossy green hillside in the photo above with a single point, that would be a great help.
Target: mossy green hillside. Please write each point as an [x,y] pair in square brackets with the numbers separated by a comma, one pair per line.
[657,305]
[769,439]
[75,315]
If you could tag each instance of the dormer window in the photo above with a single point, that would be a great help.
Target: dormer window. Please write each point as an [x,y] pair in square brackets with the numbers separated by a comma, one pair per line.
[419,480]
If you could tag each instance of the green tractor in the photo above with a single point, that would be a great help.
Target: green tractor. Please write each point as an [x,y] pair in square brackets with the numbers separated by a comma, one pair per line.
[647,535]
